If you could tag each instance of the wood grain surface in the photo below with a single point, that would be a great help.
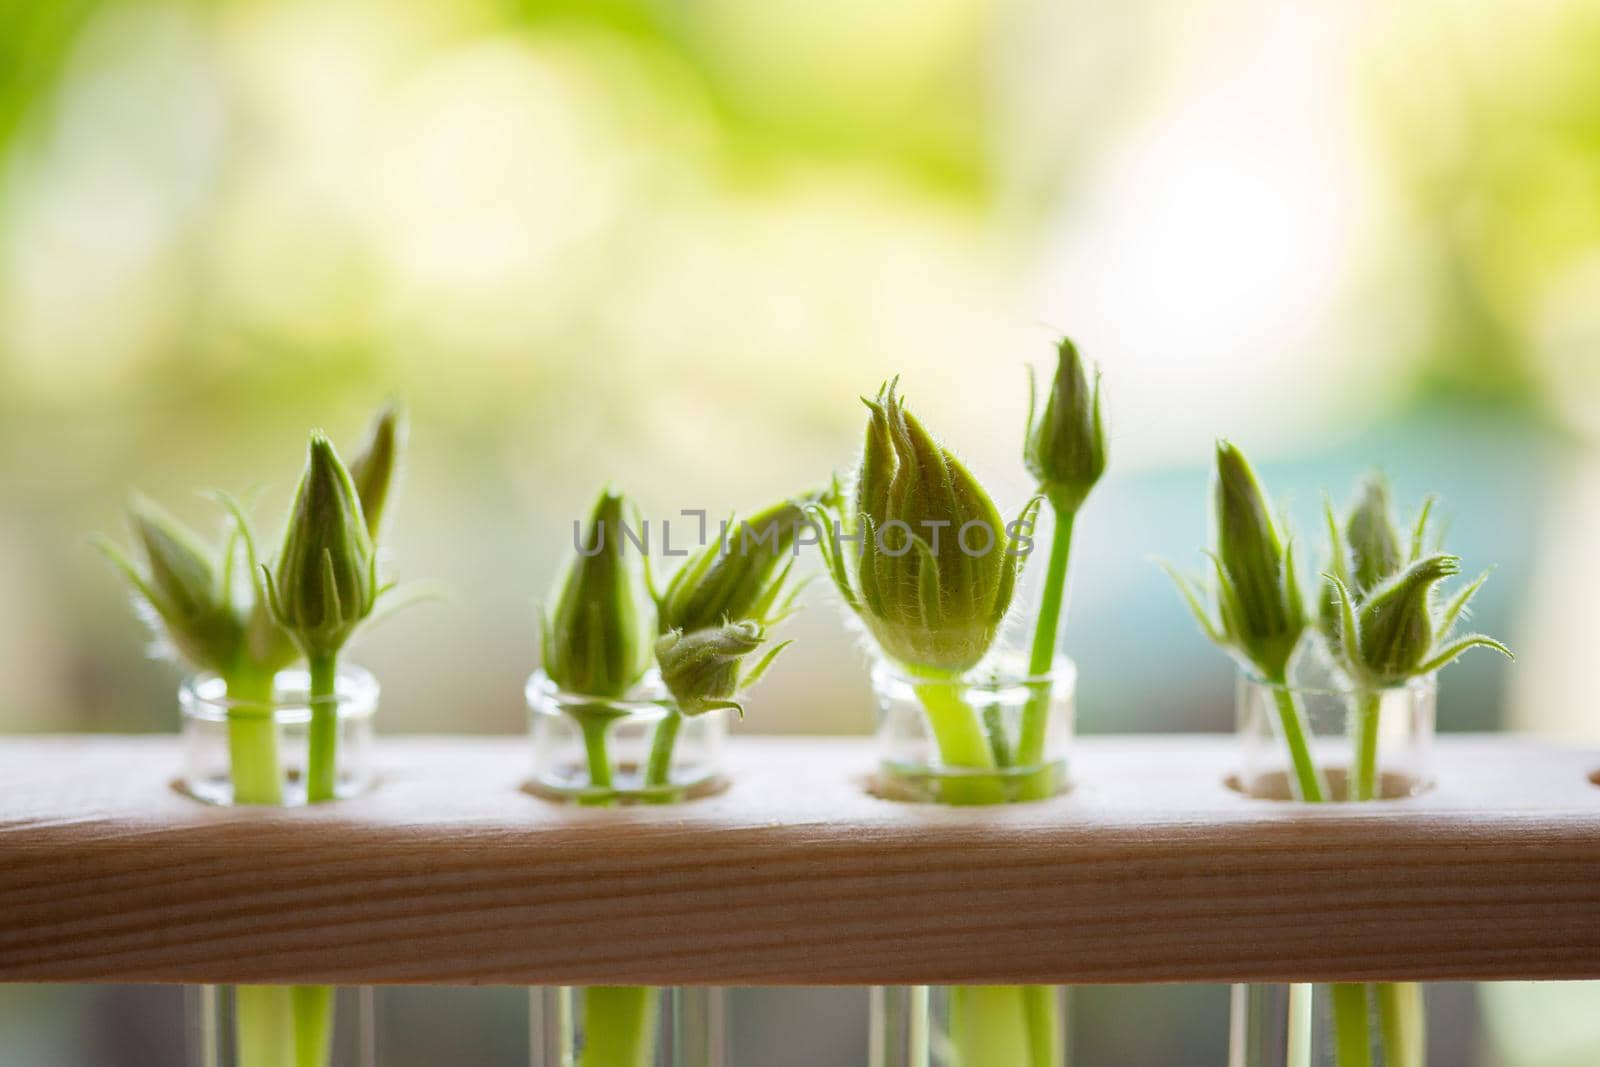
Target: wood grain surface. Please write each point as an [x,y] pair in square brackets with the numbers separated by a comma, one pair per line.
[1150,870]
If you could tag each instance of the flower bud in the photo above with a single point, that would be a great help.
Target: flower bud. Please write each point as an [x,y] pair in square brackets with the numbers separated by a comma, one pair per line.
[326,578]
[1259,594]
[595,642]
[1066,448]
[374,468]
[182,584]
[701,668]
[740,575]
[1376,553]
[1395,623]
[936,569]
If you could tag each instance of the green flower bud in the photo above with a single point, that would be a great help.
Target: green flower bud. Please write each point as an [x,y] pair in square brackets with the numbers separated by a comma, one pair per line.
[1260,613]
[1400,633]
[936,566]
[374,469]
[182,584]
[1066,448]
[1376,554]
[1396,621]
[741,575]
[1368,551]
[326,578]
[1263,604]
[701,668]
[595,642]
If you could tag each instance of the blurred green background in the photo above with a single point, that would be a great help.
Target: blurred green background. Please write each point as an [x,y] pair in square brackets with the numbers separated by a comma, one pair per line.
[666,243]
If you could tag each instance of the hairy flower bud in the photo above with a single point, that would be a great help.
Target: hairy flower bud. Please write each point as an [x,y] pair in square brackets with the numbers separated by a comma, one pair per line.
[182,584]
[741,575]
[1376,552]
[1260,614]
[702,668]
[595,641]
[936,566]
[1400,633]
[1066,447]
[373,471]
[1262,610]
[325,581]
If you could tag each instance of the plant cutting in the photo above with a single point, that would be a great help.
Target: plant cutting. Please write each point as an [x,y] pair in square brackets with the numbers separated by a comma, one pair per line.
[1383,629]
[212,610]
[653,673]
[1380,637]
[930,575]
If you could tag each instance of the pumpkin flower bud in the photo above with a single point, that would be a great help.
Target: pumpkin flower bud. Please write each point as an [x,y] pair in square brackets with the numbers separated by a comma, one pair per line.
[1260,613]
[595,641]
[374,468]
[936,566]
[702,668]
[1066,447]
[326,578]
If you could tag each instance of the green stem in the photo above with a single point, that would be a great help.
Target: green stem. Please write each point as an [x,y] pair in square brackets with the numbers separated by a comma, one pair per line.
[1042,1006]
[959,733]
[619,1026]
[1364,774]
[595,730]
[989,1026]
[1042,656]
[658,769]
[263,1026]
[1307,782]
[324,737]
[1352,1038]
[253,739]
[1401,1023]
[313,1024]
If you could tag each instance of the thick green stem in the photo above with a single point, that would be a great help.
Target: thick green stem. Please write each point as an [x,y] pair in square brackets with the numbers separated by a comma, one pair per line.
[1401,1024]
[264,1026]
[322,754]
[313,1024]
[962,741]
[658,769]
[989,1026]
[1364,772]
[253,763]
[595,729]
[619,1026]
[1352,1037]
[1046,1039]
[1296,734]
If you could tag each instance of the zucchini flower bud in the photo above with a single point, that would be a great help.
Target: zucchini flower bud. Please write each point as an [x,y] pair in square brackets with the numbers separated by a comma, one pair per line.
[1368,551]
[326,579]
[373,471]
[1260,613]
[595,643]
[1399,632]
[183,585]
[1066,448]
[936,566]
[741,575]
[1375,547]
[702,668]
